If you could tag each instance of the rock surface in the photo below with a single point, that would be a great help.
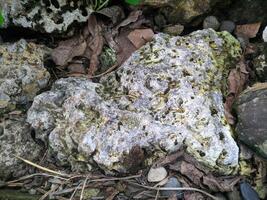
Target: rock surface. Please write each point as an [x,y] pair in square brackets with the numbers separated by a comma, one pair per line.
[165,96]
[16,140]
[252,118]
[260,67]
[22,74]
[183,11]
[50,16]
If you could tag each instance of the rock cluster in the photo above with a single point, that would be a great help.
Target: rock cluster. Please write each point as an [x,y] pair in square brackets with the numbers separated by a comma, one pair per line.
[22,74]
[167,95]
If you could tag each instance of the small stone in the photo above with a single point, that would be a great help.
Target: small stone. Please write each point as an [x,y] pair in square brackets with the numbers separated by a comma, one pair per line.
[32,191]
[247,192]
[264,34]
[174,30]
[156,174]
[211,22]
[227,26]
[172,183]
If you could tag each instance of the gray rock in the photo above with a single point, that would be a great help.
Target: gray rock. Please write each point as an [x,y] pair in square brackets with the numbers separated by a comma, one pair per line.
[22,74]
[227,26]
[211,22]
[174,30]
[260,67]
[172,183]
[252,117]
[165,96]
[16,140]
[50,16]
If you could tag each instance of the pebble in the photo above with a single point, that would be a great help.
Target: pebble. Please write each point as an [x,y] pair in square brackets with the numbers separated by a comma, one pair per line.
[264,34]
[156,174]
[227,26]
[172,183]
[211,22]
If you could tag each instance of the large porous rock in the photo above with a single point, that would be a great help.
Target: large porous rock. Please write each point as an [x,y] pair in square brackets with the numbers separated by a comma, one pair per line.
[16,140]
[22,74]
[184,11]
[49,16]
[167,95]
[252,118]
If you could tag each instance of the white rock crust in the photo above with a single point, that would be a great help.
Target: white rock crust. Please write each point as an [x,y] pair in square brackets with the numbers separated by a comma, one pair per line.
[50,16]
[167,95]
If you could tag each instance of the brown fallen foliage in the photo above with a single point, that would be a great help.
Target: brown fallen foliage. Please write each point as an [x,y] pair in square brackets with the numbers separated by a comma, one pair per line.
[124,36]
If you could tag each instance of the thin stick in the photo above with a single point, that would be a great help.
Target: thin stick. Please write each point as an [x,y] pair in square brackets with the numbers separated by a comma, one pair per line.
[42,168]
[107,71]
[76,189]
[84,184]
[175,189]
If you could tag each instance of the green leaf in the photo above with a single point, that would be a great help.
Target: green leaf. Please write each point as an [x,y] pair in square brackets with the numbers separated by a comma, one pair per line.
[133,2]
[2,20]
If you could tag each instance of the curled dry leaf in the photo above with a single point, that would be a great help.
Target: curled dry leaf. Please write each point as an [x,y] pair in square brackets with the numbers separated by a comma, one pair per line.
[236,83]
[115,13]
[220,184]
[139,37]
[248,30]
[68,49]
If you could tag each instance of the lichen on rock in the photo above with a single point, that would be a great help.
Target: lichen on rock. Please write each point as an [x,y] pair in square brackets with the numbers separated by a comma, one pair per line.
[22,74]
[16,140]
[167,95]
[49,16]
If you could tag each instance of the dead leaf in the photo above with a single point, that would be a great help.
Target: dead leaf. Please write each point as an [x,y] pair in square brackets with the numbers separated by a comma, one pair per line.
[111,193]
[220,184]
[68,49]
[95,43]
[194,196]
[115,13]
[169,159]
[248,30]
[139,37]
[135,158]
[236,83]
[133,17]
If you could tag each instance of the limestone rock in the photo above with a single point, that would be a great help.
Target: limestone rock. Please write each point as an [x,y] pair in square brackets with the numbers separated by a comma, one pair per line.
[252,117]
[183,11]
[16,139]
[165,96]
[264,34]
[22,74]
[50,16]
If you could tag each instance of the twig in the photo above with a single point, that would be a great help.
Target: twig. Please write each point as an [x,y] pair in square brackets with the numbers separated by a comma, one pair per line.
[175,189]
[84,184]
[106,72]
[76,189]
[42,168]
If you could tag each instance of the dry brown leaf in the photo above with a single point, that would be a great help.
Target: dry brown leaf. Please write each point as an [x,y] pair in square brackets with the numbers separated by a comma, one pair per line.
[111,193]
[169,159]
[248,30]
[133,17]
[68,49]
[220,184]
[95,43]
[139,37]
[115,13]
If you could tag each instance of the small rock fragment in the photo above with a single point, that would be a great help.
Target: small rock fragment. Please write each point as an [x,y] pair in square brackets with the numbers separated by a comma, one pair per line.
[156,174]
[172,183]
[227,26]
[264,34]
[211,22]
[174,30]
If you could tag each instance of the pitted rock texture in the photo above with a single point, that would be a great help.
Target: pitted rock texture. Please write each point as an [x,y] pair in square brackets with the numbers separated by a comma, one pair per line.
[16,140]
[49,16]
[22,74]
[165,96]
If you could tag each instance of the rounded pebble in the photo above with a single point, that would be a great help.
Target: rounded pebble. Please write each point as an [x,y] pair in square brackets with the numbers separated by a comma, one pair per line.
[172,183]
[156,174]
[227,26]
[211,22]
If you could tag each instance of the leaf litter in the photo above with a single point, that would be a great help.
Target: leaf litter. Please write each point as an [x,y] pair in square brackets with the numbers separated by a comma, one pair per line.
[124,36]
